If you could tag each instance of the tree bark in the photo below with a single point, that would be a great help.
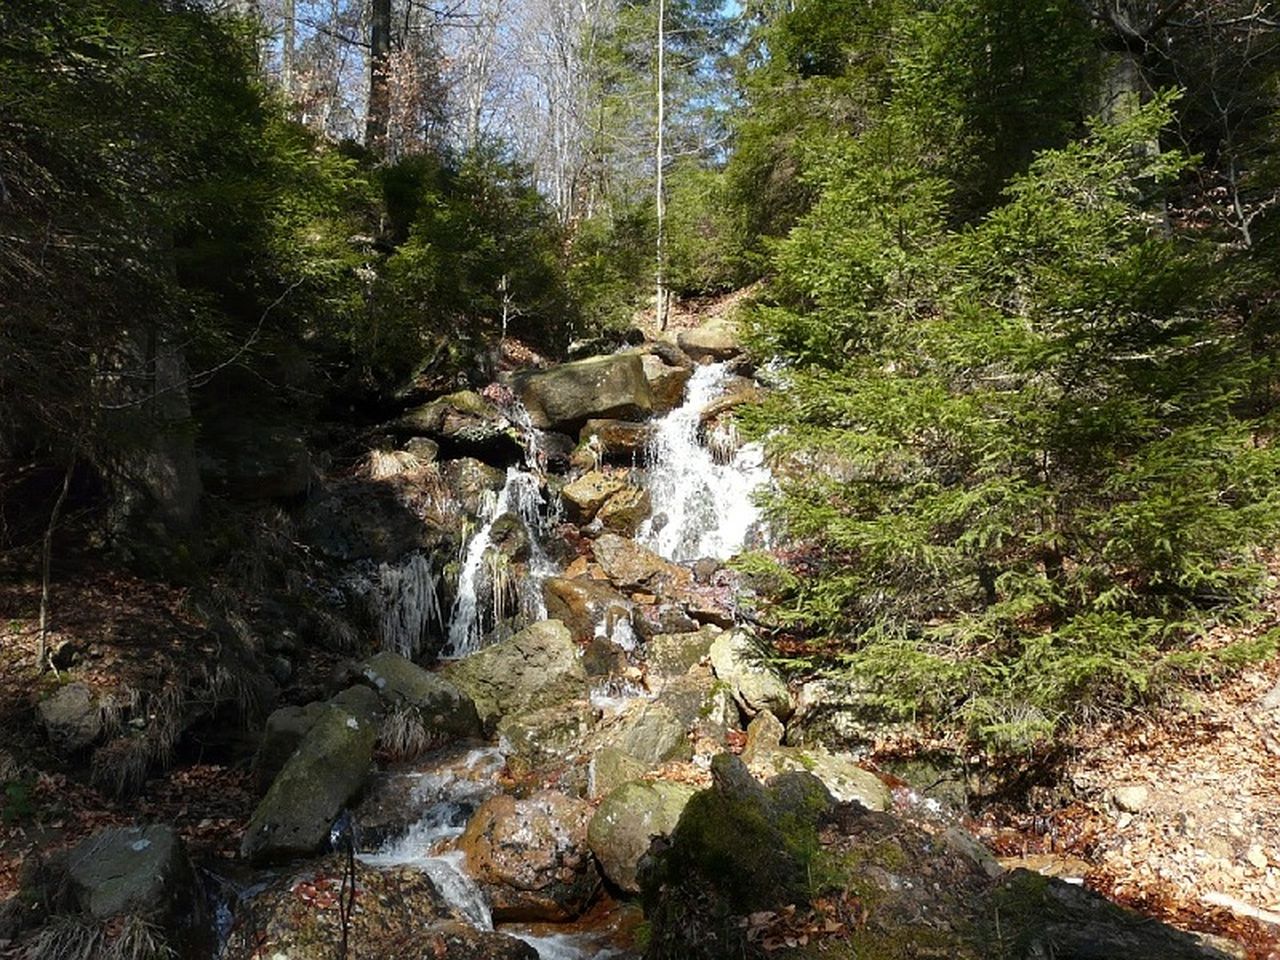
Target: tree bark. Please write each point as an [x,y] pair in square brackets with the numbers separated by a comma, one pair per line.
[660,173]
[377,117]
[287,51]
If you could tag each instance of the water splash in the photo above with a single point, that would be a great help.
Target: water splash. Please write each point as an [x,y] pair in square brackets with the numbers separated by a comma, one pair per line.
[705,496]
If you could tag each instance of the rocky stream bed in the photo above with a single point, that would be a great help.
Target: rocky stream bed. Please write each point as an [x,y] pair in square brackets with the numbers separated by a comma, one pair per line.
[570,744]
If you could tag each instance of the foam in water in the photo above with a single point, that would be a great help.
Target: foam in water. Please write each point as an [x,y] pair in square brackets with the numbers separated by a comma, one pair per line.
[566,946]
[707,507]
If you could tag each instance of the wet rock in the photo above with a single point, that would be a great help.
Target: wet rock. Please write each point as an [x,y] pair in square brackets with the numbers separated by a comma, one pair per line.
[608,769]
[666,380]
[671,654]
[444,711]
[285,730]
[72,717]
[625,511]
[625,824]
[739,661]
[584,606]
[537,667]
[604,658]
[646,730]
[651,621]
[617,441]
[510,538]
[469,480]
[717,339]
[325,772]
[585,496]
[631,566]
[537,739]
[398,912]
[563,398]
[738,392]
[532,856]
[704,705]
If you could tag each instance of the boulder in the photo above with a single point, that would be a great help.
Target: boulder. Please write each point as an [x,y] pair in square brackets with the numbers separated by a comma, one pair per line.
[285,730]
[666,381]
[537,739]
[625,511]
[584,496]
[847,782]
[141,870]
[510,538]
[738,660]
[537,667]
[604,658]
[587,607]
[399,912]
[659,618]
[631,566]
[671,654]
[626,823]
[72,717]
[444,711]
[618,441]
[469,480]
[565,397]
[717,339]
[423,449]
[373,520]
[646,730]
[464,422]
[608,769]
[326,771]
[531,856]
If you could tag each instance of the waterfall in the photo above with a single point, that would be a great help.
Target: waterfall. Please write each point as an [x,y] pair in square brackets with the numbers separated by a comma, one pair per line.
[705,499]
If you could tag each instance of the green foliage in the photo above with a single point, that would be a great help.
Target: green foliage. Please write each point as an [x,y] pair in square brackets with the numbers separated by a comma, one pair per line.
[1022,473]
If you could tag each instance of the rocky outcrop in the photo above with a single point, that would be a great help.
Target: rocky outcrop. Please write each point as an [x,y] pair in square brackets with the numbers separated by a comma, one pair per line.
[564,398]
[626,822]
[532,856]
[398,913]
[717,339]
[586,495]
[537,667]
[464,423]
[443,711]
[631,566]
[672,654]
[847,781]
[667,380]
[537,741]
[325,772]
[740,661]
[648,731]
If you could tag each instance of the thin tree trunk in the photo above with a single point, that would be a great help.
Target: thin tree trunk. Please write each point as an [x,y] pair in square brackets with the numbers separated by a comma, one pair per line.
[287,52]
[377,120]
[46,561]
[659,178]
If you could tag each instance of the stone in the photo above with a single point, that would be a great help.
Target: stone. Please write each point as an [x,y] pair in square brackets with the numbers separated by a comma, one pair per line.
[717,339]
[739,662]
[510,538]
[625,824]
[671,654]
[604,658]
[468,480]
[541,738]
[647,730]
[586,495]
[422,449]
[666,381]
[444,710]
[617,441]
[400,912]
[464,423]
[846,781]
[537,667]
[625,511]
[72,717]
[325,772]
[565,397]
[285,730]
[631,566]
[651,621]
[246,459]
[1131,798]
[532,857]
[764,736]
[587,607]
[608,769]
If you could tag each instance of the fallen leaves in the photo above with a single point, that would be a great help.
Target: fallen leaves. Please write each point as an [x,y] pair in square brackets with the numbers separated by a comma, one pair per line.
[833,917]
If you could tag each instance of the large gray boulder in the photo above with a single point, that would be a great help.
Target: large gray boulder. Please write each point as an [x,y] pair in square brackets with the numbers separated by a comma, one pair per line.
[627,821]
[285,730]
[325,773]
[464,422]
[72,717]
[564,398]
[532,856]
[717,339]
[648,731]
[444,711]
[537,667]
[666,380]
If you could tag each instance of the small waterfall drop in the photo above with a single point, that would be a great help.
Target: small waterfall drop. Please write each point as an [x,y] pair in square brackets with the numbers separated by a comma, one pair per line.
[706,506]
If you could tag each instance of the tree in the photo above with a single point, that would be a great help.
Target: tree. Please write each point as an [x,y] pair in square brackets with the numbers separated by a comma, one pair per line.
[378,115]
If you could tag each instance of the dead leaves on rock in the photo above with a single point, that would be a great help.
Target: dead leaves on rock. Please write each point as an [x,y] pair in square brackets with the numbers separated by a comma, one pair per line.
[829,918]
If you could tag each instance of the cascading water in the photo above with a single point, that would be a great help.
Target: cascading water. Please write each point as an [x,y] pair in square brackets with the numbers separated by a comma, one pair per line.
[706,507]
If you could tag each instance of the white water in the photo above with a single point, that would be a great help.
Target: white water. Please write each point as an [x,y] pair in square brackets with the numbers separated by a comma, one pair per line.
[567,946]
[705,508]
[521,496]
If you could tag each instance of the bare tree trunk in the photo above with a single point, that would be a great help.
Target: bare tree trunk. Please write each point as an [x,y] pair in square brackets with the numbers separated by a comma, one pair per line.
[46,560]
[660,194]
[287,51]
[377,118]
